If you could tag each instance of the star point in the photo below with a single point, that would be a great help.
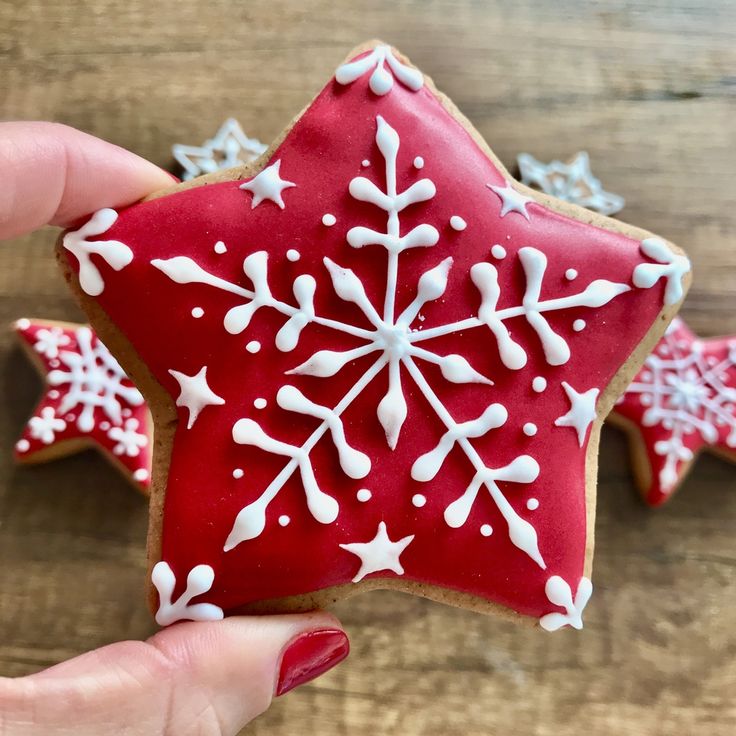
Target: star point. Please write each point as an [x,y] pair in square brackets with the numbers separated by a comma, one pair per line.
[582,410]
[379,554]
[268,184]
[195,393]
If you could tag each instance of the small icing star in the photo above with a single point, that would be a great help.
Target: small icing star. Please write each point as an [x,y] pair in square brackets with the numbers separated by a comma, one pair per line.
[195,393]
[88,400]
[572,182]
[268,184]
[229,147]
[378,554]
[582,410]
[511,200]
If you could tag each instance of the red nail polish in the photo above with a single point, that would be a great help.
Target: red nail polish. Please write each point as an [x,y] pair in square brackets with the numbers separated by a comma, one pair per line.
[309,655]
[176,179]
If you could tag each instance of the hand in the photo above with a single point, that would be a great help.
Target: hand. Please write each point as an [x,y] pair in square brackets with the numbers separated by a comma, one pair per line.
[208,679]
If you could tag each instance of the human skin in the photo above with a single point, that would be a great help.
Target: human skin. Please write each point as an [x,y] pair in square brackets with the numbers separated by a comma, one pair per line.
[208,679]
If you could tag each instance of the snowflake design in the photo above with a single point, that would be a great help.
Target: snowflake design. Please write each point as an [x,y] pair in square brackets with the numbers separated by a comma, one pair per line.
[48,342]
[685,391]
[94,379]
[45,426]
[128,440]
[400,350]
[229,147]
[572,182]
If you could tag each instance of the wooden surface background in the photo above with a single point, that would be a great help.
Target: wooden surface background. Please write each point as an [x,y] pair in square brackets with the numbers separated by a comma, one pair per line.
[648,87]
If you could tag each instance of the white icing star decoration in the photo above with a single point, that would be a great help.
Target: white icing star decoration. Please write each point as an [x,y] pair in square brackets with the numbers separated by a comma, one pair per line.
[268,184]
[511,200]
[229,147]
[572,182]
[582,411]
[378,554]
[195,393]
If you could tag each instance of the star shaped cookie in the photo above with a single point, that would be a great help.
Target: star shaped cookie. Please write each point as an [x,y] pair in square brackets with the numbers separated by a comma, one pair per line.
[88,401]
[229,147]
[681,402]
[399,358]
[573,182]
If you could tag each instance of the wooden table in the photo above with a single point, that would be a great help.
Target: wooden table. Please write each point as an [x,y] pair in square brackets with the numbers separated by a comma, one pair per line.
[648,87]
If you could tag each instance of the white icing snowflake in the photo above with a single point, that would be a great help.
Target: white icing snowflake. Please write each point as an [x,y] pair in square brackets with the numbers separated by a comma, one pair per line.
[45,426]
[94,379]
[128,441]
[573,182]
[229,147]
[400,350]
[48,342]
[683,393]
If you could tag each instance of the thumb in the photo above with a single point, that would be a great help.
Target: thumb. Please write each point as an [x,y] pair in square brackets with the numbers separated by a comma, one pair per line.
[203,678]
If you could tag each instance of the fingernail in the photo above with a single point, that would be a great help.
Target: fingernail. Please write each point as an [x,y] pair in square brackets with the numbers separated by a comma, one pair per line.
[176,179]
[309,655]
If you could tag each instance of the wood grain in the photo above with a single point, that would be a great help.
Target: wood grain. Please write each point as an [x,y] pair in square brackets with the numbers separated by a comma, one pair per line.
[649,89]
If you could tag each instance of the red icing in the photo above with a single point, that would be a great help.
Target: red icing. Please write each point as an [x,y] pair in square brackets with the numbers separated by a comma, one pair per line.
[696,380]
[51,343]
[321,154]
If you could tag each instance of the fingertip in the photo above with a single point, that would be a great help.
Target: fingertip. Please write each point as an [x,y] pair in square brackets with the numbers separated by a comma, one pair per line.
[54,174]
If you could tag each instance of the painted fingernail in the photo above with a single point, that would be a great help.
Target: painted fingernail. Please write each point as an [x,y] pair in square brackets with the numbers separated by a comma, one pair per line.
[309,655]
[176,179]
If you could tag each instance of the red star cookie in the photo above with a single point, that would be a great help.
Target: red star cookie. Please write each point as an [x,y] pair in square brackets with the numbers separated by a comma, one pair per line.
[388,361]
[88,402]
[682,401]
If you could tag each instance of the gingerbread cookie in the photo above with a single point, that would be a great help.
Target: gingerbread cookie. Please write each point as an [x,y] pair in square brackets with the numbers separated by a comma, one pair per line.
[374,360]
[88,401]
[681,402]
[229,147]
[573,182]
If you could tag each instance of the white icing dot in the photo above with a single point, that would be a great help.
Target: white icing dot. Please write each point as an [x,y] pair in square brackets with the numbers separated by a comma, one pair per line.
[54,394]
[329,219]
[22,445]
[498,251]
[539,384]
[220,247]
[418,500]
[54,363]
[284,520]
[260,403]
[23,324]
[293,255]
[363,495]
[140,475]
[126,412]
[104,426]
[238,473]
[197,312]
[571,274]
[486,530]
[70,417]
[530,429]
[365,162]
[457,223]
[578,325]
[532,504]
[253,346]
[418,162]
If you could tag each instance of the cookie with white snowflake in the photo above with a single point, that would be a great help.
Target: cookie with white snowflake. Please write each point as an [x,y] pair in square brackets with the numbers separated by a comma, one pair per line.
[374,360]
[682,402]
[88,401]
